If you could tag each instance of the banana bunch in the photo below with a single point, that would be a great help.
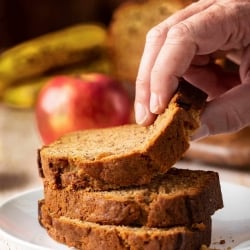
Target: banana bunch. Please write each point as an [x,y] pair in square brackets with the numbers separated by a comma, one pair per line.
[26,67]
[24,94]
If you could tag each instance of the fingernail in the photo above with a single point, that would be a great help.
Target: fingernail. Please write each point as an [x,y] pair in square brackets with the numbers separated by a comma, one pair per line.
[140,113]
[154,103]
[201,132]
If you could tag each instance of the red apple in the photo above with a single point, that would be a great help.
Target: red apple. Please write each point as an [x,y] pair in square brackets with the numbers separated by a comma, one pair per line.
[69,103]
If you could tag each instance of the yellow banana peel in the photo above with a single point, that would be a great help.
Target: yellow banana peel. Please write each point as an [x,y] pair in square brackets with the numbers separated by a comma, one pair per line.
[56,49]
[23,94]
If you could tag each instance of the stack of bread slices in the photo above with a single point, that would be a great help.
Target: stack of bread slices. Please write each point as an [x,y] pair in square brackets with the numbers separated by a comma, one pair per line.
[116,188]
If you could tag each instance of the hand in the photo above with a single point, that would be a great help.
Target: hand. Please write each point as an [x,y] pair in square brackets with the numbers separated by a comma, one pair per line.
[184,45]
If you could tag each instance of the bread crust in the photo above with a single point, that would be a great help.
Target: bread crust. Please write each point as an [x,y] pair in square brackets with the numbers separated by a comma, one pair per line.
[92,236]
[129,155]
[180,197]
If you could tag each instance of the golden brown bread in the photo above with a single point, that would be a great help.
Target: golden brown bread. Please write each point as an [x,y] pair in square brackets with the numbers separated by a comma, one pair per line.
[110,158]
[180,197]
[127,32]
[93,236]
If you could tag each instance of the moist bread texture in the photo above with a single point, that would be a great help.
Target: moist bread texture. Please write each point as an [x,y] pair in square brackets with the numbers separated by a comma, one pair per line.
[180,197]
[93,236]
[127,32]
[129,155]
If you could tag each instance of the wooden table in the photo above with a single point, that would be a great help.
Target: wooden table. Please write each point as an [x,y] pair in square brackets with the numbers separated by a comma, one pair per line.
[19,141]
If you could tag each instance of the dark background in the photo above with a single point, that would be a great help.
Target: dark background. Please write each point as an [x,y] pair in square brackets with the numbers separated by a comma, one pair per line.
[24,19]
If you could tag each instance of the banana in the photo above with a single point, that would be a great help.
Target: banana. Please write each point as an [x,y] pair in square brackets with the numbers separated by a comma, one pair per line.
[100,65]
[34,57]
[23,94]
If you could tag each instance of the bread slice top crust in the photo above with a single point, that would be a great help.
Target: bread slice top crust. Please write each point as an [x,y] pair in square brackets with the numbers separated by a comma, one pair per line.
[124,155]
[179,197]
[93,236]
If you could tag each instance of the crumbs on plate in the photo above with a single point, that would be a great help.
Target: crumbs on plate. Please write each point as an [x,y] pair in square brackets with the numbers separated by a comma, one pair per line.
[204,247]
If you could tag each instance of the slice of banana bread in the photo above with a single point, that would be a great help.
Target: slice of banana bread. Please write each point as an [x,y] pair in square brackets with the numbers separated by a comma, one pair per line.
[93,236]
[180,197]
[102,159]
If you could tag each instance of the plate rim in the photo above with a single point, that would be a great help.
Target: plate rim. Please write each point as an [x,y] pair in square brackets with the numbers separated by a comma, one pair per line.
[9,237]
[20,194]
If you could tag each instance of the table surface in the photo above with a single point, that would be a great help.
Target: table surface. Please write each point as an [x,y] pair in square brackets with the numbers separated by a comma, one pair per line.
[19,142]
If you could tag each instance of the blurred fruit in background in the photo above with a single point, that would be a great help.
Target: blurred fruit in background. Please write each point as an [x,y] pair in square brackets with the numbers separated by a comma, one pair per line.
[79,43]
[73,50]
[23,94]
[52,45]
[23,21]
[67,104]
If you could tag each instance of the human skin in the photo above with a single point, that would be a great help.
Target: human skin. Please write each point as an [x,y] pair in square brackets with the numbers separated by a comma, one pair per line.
[184,45]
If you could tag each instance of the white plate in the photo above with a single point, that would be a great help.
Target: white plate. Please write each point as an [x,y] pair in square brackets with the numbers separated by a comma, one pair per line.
[20,230]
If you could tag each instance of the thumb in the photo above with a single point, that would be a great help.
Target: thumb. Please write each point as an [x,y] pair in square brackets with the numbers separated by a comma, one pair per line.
[228,113]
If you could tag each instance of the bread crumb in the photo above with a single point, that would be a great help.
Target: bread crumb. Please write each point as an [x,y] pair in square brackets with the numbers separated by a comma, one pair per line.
[204,247]
[222,242]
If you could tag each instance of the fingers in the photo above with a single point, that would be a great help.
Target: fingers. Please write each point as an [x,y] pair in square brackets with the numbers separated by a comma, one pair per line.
[227,113]
[184,40]
[154,41]
[190,10]
[235,56]
[212,79]
[171,63]
[245,66]
[201,60]
[200,29]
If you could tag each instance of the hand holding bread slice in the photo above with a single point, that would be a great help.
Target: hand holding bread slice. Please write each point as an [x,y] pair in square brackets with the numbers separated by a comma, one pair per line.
[102,159]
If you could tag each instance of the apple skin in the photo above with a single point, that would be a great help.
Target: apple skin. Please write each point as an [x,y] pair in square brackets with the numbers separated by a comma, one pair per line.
[92,100]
